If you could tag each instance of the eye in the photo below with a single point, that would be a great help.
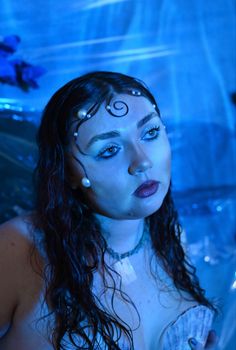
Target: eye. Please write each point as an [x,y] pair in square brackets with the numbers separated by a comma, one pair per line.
[153,133]
[108,152]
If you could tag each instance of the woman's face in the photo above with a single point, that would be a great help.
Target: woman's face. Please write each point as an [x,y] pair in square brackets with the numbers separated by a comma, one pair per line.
[134,151]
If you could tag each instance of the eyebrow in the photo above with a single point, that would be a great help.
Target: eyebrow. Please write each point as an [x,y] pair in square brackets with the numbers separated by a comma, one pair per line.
[115,133]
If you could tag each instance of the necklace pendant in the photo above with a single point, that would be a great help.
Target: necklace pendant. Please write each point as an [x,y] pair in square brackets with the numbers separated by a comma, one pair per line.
[126,270]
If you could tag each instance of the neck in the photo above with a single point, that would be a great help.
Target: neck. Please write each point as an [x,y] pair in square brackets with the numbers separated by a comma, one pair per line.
[121,235]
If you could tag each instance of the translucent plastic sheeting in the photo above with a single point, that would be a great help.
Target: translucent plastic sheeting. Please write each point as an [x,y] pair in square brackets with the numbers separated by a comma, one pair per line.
[185,52]
[182,49]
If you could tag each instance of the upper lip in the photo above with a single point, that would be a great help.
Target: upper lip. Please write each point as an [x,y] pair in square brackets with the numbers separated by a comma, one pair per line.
[146,184]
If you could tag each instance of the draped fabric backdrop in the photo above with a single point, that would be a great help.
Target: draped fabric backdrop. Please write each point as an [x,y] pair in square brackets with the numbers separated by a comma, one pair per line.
[185,51]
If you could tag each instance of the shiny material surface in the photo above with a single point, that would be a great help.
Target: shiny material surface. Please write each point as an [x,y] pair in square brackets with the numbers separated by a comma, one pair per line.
[85,182]
[193,323]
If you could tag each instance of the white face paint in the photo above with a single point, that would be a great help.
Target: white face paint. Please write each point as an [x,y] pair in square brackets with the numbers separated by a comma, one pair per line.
[117,165]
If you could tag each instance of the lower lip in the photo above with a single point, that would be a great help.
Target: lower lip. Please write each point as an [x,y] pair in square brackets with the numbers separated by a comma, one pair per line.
[147,191]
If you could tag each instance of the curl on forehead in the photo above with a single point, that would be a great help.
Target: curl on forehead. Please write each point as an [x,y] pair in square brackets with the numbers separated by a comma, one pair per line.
[115,105]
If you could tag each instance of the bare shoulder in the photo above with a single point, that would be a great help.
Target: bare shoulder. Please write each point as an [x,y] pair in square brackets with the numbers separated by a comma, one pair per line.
[20,279]
[17,241]
[18,248]
[18,225]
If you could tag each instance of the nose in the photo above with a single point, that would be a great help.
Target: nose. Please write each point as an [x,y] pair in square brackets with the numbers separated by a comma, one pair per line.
[140,163]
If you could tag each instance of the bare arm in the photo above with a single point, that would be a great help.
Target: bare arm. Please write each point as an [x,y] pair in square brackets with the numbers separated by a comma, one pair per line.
[12,249]
[20,290]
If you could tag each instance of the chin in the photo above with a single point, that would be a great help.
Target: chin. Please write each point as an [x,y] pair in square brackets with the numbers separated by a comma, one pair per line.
[143,212]
[151,206]
[138,209]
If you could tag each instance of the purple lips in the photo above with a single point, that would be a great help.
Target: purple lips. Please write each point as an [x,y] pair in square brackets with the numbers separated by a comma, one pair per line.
[147,189]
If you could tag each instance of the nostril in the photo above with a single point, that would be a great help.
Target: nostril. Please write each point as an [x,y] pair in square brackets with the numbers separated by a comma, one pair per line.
[140,167]
[138,171]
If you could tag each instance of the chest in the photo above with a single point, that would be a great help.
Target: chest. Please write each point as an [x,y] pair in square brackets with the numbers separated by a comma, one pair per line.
[147,303]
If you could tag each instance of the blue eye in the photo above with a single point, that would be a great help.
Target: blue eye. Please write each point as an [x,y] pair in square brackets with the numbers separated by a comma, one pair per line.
[108,152]
[153,132]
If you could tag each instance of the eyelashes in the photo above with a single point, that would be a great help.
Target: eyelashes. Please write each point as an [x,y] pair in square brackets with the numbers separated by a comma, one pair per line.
[108,151]
[112,149]
[156,133]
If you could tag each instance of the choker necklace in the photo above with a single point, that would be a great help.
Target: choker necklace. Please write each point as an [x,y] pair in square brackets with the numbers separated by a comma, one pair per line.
[123,266]
[120,256]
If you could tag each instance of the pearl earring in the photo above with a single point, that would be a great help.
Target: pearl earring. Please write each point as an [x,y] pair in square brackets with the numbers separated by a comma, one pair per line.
[85,182]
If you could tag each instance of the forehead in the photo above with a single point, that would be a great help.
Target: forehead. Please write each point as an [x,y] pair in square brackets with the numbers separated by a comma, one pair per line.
[127,109]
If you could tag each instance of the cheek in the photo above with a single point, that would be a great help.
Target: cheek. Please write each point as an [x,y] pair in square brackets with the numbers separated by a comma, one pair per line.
[106,176]
[166,150]
[162,154]
[166,166]
[168,157]
[110,188]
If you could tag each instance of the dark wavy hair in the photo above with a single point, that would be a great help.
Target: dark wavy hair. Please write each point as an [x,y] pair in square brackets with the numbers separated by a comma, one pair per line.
[72,236]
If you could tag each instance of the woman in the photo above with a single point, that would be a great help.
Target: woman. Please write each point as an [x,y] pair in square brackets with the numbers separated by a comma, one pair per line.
[106,269]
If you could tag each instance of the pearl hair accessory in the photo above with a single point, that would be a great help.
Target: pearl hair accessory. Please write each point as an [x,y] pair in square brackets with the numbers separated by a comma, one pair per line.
[83,114]
[136,92]
[85,182]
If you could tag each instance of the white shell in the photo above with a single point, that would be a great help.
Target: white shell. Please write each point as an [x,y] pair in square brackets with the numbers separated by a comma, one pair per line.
[193,323]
